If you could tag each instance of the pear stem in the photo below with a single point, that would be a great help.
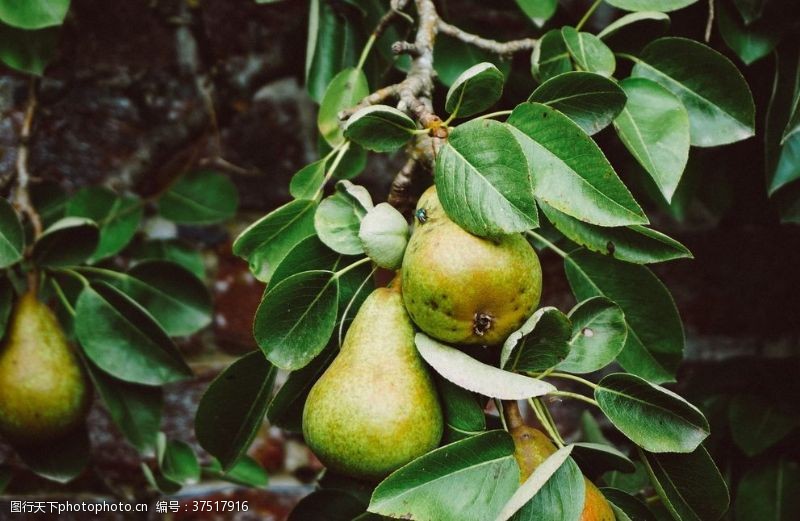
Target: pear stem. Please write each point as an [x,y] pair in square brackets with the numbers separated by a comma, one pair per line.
[513,415]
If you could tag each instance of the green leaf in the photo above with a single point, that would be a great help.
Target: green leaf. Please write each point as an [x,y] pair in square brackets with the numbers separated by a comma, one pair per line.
[27,51]
[124,340]
[61,460]
[539,11]
[118,217]
[310,254]
[750,10]
[654,346]
[6,304]
[551,57]
[627,507]
[541,343]
[233,407]
[651,416]
[482,163]
[384,235]
[33,14]
[561,498]
[654,127]
[451,57]
[475,90]
[67,242]
[296,318]
[589,52]
[664,6]
[50,201]
[327,505]
[175,297]
[200,197]
[159,482]
[178,462]
[520,505]
[468,373]
[636,244]
[309,180]
[12,236]
[380,128]
[715,94]
[598,335]
[689,485]
[750,42]
[600,458]
[135,409]
[332,45]
[569,170]
[286,408]
[267,241]
[782,153]
[758,423]
[338,218]
[590,100]
[450,483]
[633,31]
[169,250]
[463,415]
[770,491]
[345,90]
[245,472]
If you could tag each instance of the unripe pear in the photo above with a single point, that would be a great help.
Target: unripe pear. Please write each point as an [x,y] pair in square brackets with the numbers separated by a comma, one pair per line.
[43,390]
[464,289]
[532,447]
[376,407]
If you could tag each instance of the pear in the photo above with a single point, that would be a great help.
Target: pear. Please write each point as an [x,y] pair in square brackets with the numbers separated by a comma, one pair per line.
[43,389]
[375,408]
[532,447]
[464,289]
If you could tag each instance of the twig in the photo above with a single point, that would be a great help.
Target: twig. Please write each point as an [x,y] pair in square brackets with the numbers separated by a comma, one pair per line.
[414,92]
[400,191]
[501,48]
[710,22]
[22,197]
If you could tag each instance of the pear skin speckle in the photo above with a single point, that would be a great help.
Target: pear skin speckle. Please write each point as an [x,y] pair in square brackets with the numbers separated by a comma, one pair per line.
[464,289]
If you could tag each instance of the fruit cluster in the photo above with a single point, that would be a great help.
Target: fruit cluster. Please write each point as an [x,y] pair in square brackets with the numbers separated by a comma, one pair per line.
[376,407]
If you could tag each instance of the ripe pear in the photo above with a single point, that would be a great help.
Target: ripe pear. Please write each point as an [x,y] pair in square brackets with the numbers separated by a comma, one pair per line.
[43,389]
[375,408]
[532,447]
[464,289]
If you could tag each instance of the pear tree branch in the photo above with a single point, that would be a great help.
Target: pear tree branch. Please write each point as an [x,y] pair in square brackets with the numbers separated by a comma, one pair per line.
[22,198]
[501,48]
[414,93]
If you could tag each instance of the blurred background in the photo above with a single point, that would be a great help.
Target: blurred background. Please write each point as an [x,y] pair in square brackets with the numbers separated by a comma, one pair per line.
[141,91]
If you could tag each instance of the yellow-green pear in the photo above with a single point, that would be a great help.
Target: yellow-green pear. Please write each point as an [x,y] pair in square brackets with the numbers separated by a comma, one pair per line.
[532,447]
[464,289]
[43,389]
[376,407]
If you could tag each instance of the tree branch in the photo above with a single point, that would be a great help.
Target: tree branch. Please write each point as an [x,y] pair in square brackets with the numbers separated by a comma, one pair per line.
[22,197]
[501,48]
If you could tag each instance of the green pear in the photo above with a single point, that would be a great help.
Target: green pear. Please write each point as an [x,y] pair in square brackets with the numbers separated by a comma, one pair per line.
[464,289]
[532,447]
[43,389]
[375,408]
